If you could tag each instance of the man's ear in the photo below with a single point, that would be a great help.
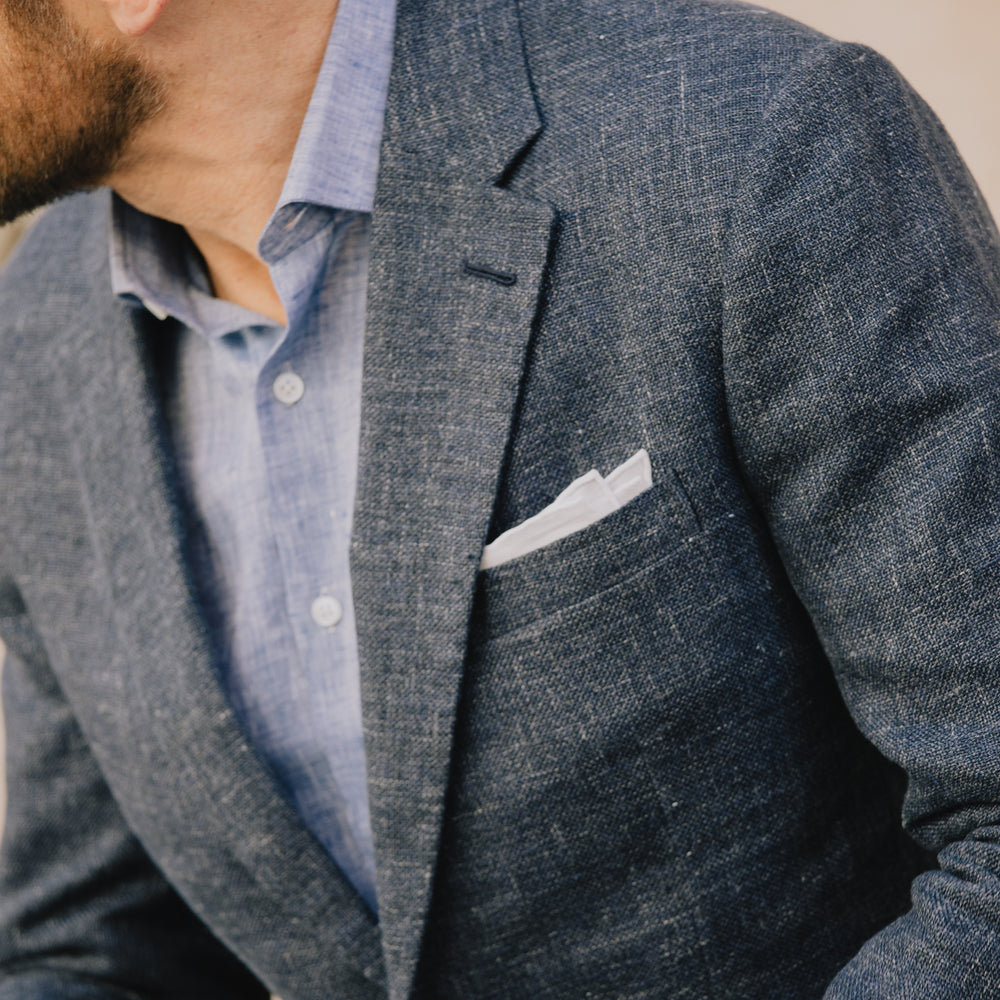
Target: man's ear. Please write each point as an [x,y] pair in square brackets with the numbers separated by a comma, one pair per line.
[135,17]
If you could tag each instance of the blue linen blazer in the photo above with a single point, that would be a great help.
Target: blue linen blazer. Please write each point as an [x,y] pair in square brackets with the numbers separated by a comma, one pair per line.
[672,755]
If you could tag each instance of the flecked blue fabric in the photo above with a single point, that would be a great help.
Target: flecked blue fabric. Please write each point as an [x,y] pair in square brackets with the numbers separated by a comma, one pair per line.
[269,485]
[670,756]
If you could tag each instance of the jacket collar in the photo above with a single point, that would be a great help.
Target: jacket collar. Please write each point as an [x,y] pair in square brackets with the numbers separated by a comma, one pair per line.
[460,97]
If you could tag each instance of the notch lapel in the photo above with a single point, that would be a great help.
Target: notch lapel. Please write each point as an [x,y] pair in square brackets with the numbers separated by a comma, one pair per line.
[456,270]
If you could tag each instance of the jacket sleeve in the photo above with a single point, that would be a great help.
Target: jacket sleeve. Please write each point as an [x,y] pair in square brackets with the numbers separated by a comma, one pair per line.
[862,355]
[84,914]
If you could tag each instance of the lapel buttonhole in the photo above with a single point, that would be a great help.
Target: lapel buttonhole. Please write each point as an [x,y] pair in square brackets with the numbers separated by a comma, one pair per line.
[490,273]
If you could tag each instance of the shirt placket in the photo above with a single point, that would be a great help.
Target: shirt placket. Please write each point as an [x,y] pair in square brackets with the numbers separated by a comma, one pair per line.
[309,442]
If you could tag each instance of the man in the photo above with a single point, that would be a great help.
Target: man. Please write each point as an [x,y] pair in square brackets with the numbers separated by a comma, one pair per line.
[731,265]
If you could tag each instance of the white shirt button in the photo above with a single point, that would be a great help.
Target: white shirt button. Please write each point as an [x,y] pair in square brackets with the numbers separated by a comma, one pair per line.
[326,611]
[288,388]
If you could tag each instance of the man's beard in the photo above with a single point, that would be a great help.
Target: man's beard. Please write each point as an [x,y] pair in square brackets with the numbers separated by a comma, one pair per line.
[68,106]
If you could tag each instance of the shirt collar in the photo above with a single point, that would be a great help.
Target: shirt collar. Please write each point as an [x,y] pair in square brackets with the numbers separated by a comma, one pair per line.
[336,156]
[335,164]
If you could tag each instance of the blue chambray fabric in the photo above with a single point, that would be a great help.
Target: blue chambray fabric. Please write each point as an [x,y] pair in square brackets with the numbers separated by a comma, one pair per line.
[271,484]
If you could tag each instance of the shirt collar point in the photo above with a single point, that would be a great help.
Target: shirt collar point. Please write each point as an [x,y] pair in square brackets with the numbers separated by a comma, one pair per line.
[158,311]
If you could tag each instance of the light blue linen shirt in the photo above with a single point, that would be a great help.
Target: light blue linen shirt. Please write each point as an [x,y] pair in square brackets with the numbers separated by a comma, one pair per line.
[264,423]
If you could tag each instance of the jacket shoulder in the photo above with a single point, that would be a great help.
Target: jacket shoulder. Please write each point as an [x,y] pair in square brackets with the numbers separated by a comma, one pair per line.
[658,104]
[712,43]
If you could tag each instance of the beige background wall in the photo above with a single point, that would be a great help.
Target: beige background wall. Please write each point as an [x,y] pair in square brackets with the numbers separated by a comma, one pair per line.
[947,48]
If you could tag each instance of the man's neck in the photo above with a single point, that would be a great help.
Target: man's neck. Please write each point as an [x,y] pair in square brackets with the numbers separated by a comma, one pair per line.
[215,160]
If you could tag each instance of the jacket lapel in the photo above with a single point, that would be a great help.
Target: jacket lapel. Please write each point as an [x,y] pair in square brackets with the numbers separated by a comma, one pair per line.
[152,696]
[457,264]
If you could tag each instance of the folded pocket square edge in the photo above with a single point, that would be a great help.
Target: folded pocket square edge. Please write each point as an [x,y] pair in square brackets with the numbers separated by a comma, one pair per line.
[584,502]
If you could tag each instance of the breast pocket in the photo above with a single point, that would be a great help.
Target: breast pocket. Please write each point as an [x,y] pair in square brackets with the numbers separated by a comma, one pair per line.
[601,558]
[602,649]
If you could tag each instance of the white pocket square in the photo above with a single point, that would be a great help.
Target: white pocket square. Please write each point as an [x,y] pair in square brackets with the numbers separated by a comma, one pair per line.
[583,502]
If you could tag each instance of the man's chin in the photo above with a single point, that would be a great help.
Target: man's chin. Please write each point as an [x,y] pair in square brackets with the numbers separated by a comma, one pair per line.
[67,130]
